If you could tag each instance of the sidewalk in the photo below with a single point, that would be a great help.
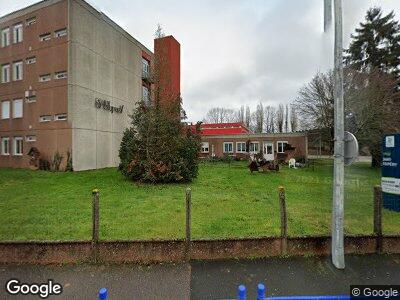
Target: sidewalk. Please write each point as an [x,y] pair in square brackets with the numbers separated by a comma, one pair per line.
[209,280]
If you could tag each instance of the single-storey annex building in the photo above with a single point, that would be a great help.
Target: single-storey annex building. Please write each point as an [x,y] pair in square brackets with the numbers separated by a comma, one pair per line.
[235,140]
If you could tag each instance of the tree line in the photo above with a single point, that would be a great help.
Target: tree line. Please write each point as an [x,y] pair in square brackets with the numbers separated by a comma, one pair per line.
[371,86]
[265,118]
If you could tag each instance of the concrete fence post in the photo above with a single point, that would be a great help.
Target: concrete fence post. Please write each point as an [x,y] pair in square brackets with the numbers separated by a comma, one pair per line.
[188,222]
[95,223]
[282,205]
[378,217]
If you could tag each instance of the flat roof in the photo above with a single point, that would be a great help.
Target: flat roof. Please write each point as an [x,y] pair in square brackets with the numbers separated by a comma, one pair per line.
[256,135]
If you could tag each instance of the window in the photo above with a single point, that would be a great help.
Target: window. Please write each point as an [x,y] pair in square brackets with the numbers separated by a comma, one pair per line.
[5,37]
[18,107]
[145,68]
[30,138]
[5,73]
[17,33]
[60,32]
[228,147]
[45,37]
[5,110]
[60,117]
[30,60]
[44,78]
[241,147]
[30,21]
[17,71]
[5,146]
[255,147]
[205,146]
[18,145]
[281,145]
[146,95]
[45,118]
[60,75]
[30,99]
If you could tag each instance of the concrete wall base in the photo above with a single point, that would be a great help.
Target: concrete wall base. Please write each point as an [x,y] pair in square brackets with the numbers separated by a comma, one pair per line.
[176,250]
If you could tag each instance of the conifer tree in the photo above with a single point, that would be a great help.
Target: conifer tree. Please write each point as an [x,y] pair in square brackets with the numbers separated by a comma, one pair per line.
[376,44]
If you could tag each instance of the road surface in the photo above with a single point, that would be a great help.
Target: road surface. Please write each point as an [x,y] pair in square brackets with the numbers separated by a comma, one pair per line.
[209,280]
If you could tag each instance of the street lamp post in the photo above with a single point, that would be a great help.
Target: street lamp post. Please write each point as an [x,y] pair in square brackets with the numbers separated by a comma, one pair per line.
[338,169]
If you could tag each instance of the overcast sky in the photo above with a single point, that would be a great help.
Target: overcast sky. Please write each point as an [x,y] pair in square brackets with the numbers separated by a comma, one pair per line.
[237,52]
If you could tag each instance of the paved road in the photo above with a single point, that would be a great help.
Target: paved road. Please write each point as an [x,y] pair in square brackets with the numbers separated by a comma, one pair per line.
[210,280]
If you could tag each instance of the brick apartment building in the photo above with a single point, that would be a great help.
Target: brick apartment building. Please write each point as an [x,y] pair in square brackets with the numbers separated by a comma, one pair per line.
[234,139]
[70,77]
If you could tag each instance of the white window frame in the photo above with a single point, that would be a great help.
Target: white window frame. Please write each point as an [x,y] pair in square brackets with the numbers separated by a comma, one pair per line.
[44,78]
[283,147]
[45,37]
[205,147]
[241,150]
[251,148]
[45,118]
[5,150]
[5,73]
[18,70]
[30,138]
[60,75]
[17,139]
[145,67]
[225,144]
[5,37]
[30,21]
[60,33]
[60,117]
[146,95]
[18,108]
[5,109]
[18,33]
[30,99]
[30,60]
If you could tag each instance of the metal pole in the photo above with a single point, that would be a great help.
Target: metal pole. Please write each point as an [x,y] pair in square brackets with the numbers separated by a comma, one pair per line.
[338,169]
[327,15]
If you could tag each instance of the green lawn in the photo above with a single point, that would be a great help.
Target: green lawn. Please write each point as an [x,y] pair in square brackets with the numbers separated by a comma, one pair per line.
[227,202]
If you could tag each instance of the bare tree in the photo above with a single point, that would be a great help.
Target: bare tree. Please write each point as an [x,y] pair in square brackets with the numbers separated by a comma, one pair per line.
[287,118]
[314,104]
[371,106]
[220,115]
[259,118]
[248,117]
[294,121]
[267,118]
[159,32]
[240,115]
[280,115]
[272,118]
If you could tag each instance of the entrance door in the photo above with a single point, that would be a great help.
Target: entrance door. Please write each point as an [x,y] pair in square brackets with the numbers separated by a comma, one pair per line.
[268,150]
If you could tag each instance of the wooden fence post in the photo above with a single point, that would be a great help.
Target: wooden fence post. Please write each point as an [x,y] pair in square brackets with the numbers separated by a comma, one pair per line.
[282,204]
[188,222]
[378,217]
[95,223]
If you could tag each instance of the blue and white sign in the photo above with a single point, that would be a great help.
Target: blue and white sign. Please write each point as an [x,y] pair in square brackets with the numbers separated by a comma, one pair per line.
[391,172]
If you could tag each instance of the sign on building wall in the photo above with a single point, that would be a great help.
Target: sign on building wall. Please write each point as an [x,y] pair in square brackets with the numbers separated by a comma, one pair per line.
[391,172]
[106,105]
